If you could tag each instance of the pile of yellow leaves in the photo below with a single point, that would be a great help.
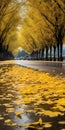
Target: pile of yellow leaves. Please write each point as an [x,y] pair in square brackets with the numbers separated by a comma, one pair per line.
[46,93]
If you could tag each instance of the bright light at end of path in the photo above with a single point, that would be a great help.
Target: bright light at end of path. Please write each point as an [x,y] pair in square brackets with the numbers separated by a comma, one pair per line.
[20,49]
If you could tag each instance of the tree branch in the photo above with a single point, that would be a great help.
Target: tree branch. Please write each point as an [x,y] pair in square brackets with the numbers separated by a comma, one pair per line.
[48,19]
[59,6]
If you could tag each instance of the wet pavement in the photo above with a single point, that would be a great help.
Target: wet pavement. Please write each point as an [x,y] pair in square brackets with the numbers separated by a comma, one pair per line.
[8,106]
[46,66]
[18,115]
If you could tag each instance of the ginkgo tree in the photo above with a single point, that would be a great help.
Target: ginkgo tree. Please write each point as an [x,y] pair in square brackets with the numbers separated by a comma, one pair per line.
[9,19]
[41,28]
[36,36]
[55,19]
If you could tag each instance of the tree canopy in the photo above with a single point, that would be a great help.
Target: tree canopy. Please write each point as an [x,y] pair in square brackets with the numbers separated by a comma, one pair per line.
[42,24]
[9,20]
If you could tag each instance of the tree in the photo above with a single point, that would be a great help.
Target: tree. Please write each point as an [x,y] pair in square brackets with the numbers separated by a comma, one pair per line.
[36,36]
[55,18]
[9,19]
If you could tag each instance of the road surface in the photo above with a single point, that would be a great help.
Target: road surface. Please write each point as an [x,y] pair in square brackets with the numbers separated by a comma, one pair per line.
[53,67]
[49,100]
[46,66]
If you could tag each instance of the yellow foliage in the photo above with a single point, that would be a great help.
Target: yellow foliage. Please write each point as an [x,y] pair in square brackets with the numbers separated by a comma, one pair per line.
[61,122]
[10,123]
[42,91]
[10,110]
[40,121]
[18,113]
[47,125]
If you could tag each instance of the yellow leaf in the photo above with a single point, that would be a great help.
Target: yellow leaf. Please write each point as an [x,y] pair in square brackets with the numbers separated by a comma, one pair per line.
[47,125]
[18,113]
[1,118]
[61,122]
[10,123]
[10,110]
[40,121]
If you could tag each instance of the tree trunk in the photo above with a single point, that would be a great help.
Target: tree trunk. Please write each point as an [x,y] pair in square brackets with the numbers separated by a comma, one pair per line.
[38,54]
[61,50]
[1,48]
[42,55]
[58,50]
[50,52]
[46,52]
[54,53]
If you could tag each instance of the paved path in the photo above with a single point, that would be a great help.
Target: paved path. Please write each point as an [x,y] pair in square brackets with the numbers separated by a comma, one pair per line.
[46,66]
[53,67]
[33,104]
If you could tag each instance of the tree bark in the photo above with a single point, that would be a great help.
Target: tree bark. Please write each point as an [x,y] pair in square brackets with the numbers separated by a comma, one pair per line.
[50,52]
[1,45]
[46,52]
[61,50]
[38,54]
[42,55]
[54,53]
[58,50]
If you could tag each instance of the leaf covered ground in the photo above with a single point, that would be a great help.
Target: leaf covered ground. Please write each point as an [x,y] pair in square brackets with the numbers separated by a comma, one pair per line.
[31,99]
